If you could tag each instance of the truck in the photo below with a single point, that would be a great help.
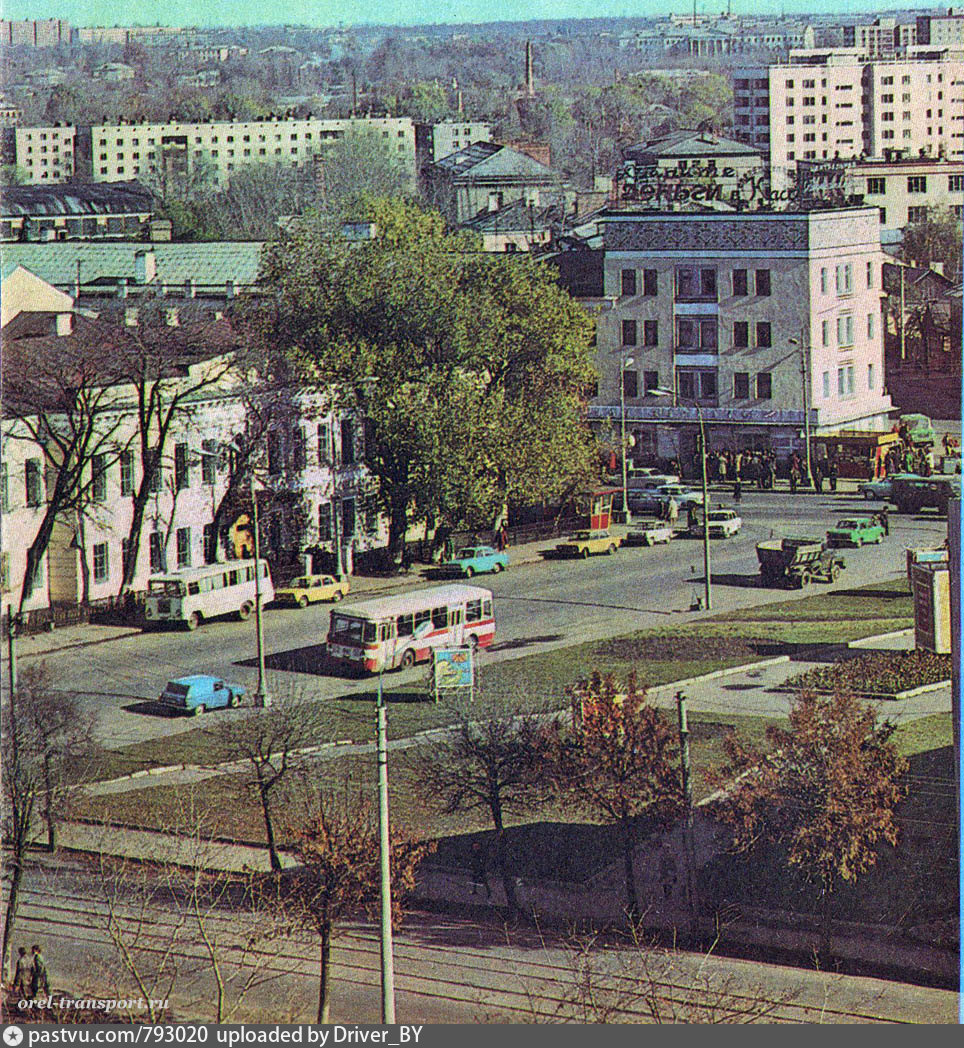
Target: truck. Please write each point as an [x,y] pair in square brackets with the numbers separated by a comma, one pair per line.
[911,494]
[794,562]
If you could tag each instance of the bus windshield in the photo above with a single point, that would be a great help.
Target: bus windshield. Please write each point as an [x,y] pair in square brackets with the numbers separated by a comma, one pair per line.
[346,630]
[167,587]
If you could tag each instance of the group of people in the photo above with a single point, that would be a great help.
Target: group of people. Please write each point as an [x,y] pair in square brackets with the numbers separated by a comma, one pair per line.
[908,458]
[759,467]
[30,978]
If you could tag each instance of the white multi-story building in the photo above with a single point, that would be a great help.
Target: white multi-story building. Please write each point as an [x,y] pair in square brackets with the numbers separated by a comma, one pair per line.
[45,154]
[434,141]
[740,314]
[825,105]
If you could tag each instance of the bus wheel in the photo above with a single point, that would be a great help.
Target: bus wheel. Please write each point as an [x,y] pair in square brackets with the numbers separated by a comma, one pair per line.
[408,659]
[302,602]
[244,612]
[198,710]
[193,621]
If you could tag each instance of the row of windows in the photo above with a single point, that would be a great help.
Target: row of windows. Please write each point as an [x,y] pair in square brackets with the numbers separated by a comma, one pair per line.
[847,381]
[844,278]
[697,283]
[699,333]
[845,330]
[695,384]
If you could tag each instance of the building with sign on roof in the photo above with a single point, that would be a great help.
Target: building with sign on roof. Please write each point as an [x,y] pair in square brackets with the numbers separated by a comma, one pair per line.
[61,211]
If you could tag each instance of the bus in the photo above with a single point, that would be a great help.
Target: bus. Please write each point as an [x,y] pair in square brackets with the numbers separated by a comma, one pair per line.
[191,596]
[390,633]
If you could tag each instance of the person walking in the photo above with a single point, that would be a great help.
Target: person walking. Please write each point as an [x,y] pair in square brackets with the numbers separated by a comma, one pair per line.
[885,521]
[672,511]
[832,473]
[39,978]
[691,517]
[22,975]
[737,491]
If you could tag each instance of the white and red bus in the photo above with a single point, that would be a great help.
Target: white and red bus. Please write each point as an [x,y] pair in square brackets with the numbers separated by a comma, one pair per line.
[396,632]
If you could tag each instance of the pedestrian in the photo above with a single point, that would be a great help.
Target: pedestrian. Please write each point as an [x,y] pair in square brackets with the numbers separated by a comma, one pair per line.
[22,975]
[737,491]
[480,876]
[794,478]
[39,979]
[832,473]
[723,469]
[885,521]
[501,539]
[672,511]
[691,517]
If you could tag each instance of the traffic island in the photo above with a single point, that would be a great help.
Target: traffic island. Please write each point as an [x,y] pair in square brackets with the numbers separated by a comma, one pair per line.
[878,675]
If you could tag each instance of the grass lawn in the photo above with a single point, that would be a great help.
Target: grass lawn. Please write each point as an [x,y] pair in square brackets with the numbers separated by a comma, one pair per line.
[540,682]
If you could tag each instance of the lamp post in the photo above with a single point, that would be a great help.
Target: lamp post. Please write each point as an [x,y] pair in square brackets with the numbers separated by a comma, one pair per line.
[385,862]
[261,696]
[625,362]
[805,380]
[708,584]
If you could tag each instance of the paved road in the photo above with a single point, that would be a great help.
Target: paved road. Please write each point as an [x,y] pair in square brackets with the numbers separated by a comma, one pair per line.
[540,606]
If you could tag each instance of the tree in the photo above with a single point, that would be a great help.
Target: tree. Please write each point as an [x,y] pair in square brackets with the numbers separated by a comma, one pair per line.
[60,392]
[491,764]
[825,790]
[339,851]
[937,238]
[449,354]
[44,738]
[358,166]
[618,760]
[266,742]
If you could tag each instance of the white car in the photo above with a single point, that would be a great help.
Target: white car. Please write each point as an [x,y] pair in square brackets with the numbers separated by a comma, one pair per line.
[724,523]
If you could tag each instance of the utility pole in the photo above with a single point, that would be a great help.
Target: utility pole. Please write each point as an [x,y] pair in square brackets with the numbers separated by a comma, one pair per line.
[708,585]
[384,852]
[805,382]
[261,696]
[684,751]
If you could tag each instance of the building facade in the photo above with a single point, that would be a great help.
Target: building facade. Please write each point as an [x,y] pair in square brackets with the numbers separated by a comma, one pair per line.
[121,210]
[434,141]
[35,32]
[744,315]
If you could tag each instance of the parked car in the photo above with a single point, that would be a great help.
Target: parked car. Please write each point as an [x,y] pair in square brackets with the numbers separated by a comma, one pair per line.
[724,523]
[308,589]
[880,489]
[855,531]
[583,543]
[475,560]
[648,533]
[200,692]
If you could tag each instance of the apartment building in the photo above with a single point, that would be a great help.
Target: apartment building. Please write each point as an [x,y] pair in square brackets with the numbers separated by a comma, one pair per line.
[434,141]
[944,30]
[739,314]
[119,152]
[35,32]
[882,38]
[56,212]
[832,104]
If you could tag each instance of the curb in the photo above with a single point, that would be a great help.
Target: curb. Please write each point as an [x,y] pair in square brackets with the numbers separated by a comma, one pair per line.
[729,671]
[879,696]
[133,632]
[863,641]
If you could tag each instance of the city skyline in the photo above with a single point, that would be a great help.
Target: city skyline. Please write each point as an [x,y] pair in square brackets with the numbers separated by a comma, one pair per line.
[320,13]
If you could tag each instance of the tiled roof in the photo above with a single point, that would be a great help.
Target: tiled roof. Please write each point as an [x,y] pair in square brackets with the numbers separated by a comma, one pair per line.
[92,198]
[207,264]
[515,217]
[490,160]
[688,143]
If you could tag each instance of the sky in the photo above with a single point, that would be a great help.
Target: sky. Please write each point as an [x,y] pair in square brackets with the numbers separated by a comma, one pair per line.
[391,12]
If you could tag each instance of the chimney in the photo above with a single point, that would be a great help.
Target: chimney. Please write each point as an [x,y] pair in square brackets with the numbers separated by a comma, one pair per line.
[530,81]
[145,267]
[64,324]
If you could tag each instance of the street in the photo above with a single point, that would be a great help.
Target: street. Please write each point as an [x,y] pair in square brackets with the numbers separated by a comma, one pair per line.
[539,606]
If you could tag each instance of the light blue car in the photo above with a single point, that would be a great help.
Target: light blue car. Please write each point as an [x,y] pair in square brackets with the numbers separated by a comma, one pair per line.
[200,692]
[880,489]
[475,560]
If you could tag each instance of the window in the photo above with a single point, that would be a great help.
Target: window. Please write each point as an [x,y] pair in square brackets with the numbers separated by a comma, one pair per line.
[708,385]
[630,383]
[823,280]
[347,443]
[916,183]
[763,333]
[870,325]
[845,279]
[649,282]
[763,282]
[629,332]
[824,332]
[870,376]
[826,385]
[650,332]
[324,521]
[694,335]
[845,380]
[98,478]
[156,551]
[628,282]
[33,482]
[127,472]
[741,334]
[741,385]
[870,274]
[764,385]
[297,448]
[209,463]
[697,385]
[955,183]
[101,569]
[183,547]
[650,381]
[739,282]
[695,284]
[4,488]
[686,384]
[348,522]
[845,330]
[181,471]
[324,443]
[917,214]
[209,545]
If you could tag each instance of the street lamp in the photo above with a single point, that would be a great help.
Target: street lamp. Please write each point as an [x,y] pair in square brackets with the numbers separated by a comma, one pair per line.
[624,364]
[708,585]
[805,380]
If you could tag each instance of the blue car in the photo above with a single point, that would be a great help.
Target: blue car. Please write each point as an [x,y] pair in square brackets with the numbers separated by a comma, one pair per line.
[475,560]
[200,692]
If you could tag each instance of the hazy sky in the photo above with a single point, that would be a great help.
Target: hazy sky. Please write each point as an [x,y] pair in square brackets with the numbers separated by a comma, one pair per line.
[399,12]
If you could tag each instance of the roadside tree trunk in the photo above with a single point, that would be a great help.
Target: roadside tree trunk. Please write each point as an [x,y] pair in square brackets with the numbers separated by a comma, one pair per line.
[502,858]
[324,974]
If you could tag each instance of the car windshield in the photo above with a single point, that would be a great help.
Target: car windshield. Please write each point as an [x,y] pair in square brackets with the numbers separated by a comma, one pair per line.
[300,583]
[851,524]
[720,516]
[347,630]
[466,552]
[583,535]
[167,587]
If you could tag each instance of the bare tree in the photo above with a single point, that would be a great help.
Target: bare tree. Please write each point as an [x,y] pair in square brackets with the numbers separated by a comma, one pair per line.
[496,765]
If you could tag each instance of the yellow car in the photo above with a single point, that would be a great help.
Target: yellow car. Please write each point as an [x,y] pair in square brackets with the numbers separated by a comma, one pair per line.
[311,588]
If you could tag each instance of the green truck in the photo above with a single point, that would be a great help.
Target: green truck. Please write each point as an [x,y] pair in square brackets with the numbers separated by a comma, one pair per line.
[912,494]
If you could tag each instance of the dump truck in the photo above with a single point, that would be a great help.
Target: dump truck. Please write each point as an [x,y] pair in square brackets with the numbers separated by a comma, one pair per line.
[794,562]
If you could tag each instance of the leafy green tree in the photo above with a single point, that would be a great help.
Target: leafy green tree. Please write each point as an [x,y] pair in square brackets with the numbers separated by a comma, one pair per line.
[429,101]
[472,369]
[936,239]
